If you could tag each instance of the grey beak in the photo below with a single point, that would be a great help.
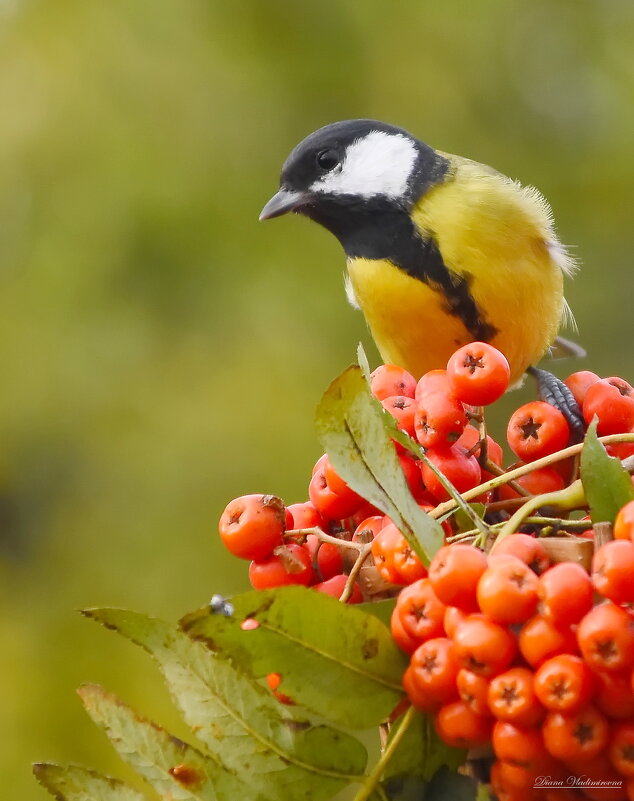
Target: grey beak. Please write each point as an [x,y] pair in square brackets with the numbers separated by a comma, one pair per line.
[284,201]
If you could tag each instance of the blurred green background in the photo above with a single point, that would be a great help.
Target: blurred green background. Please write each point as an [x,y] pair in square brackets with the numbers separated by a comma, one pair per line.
[161,351]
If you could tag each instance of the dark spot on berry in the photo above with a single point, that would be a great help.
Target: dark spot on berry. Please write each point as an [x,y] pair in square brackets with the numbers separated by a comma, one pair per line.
[530,429]
[583,733]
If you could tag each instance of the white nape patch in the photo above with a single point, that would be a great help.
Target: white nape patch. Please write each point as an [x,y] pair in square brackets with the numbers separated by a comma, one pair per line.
[352,298]
[378,164]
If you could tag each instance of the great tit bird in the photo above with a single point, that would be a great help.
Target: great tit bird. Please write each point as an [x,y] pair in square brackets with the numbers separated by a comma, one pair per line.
[440,250]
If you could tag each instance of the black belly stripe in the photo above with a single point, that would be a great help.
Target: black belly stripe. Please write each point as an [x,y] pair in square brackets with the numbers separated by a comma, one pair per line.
[454,288]
[378,229]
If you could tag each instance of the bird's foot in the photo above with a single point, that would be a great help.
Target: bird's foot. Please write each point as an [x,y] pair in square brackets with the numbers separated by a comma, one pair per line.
[552,390]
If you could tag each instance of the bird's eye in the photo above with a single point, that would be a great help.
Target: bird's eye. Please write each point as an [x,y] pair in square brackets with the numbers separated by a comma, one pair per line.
[327,159]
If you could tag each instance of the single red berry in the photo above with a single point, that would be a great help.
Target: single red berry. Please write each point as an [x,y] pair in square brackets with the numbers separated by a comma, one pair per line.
[564,683]
[290,564]
[482,646]
[460,727]
[537,429]
[394,557]
[388,379]
[433,381]
[439,420]
[613,695]
[328,503]
[252,526]
[459,469]
[303,515]
[369,528]
[511,697]
[454,573]
[402,410]
[624,523]
[579,383]
[606,638]
[611,400]
[621,750]
[578,735]
[518,745]
[420,612]
[400,636]
[478,374]
[566,593]
[474,691]
[507,591]
[335,586]
[334,480]
[613,571]
[433,672]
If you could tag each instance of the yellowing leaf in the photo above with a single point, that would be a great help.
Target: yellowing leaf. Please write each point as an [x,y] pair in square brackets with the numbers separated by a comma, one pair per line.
[335,660]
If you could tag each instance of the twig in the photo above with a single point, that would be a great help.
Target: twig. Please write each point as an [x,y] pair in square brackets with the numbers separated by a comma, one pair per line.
[352,576]
[296,533]
[373,779]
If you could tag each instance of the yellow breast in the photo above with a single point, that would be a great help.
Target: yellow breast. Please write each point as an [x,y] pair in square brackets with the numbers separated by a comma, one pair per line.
[499,237]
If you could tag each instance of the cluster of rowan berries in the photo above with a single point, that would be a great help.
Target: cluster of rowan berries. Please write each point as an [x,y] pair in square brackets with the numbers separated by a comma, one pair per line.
[508,649]
[440,412]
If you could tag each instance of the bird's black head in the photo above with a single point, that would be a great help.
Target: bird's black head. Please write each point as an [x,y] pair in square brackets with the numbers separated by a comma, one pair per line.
[352,175]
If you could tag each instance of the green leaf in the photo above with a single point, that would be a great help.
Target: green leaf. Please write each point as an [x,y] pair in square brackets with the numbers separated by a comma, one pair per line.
[606,483]
[350,425]
[421,752]
[153,753]
[74,783]
[335,660]
[275,748]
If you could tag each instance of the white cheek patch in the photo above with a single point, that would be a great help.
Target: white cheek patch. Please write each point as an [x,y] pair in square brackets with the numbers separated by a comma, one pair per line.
[378,164]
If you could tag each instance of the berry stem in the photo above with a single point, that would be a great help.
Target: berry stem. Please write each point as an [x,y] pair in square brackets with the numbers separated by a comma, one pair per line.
[299,533]
[372,781]
[352,576]
[534,520]
[571,497]
[545,461]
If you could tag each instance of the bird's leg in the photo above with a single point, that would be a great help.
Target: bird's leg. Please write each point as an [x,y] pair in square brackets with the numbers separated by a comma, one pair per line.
[553,390]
